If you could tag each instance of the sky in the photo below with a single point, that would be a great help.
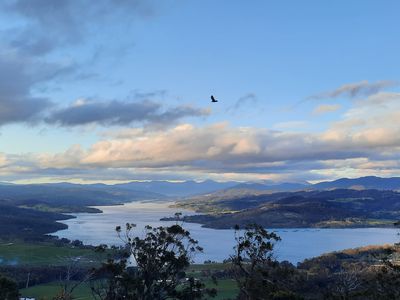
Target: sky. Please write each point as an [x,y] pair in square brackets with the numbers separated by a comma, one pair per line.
[119,90]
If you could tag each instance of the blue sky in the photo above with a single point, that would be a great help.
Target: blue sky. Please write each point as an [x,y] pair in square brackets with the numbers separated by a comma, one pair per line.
[119,90]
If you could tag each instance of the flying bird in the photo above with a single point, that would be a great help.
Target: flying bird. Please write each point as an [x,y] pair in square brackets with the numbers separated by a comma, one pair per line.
[213,99]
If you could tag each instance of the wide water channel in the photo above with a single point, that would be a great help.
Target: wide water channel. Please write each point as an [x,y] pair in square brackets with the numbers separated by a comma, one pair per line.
[297,243]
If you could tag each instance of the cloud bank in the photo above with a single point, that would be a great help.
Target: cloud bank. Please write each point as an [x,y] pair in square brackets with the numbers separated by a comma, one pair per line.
[36,48]
[19,76]
[365,141]
[122,113]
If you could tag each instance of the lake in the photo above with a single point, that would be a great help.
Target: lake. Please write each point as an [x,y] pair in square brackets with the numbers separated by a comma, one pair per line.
[296,245]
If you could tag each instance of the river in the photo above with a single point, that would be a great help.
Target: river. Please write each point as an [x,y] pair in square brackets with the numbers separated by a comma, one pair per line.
[296,245]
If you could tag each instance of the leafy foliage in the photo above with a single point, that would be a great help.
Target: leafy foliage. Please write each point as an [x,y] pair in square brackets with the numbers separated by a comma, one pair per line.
[253,263]
[152,267]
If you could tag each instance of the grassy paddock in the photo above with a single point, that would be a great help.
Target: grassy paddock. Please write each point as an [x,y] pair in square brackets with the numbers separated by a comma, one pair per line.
[41,254]
[227,289]
[49,290]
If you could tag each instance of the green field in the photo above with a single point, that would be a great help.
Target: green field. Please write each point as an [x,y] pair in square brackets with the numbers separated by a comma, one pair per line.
[226,290]
[49,290]
[42,254]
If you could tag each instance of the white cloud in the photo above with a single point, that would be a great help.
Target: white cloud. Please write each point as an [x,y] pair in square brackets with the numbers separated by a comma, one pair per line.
[365,140]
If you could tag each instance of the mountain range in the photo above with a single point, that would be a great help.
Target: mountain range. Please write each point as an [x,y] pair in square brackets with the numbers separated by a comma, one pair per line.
[100,194]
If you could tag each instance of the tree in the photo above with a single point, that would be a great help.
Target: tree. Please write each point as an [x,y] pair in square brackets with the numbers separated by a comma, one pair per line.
[8,289]
[253,261]
[386,280]
[72,277]
[347,281]
[152,267]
